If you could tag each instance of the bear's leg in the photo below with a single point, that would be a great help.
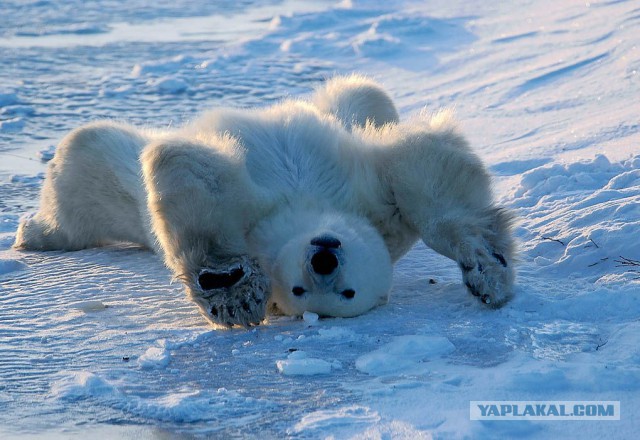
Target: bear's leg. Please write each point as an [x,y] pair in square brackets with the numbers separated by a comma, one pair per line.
[480,242]
[201,203]
[356,100]
[443,192]
[92,194]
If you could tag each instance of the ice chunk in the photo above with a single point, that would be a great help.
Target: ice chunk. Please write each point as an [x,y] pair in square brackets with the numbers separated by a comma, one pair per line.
[310,317]
[90,306]
[169,85]
[299,364]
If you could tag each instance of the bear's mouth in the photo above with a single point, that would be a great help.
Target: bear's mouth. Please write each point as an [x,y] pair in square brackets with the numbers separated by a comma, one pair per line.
[220,280]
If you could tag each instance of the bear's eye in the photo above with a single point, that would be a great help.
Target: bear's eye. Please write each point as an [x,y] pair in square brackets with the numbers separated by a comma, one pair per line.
[298,291]
[348,293]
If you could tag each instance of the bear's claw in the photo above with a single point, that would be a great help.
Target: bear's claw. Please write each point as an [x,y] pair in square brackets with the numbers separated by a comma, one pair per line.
[488,277]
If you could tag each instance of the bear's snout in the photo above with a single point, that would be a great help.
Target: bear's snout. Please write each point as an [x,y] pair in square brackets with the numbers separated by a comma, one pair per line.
[324,262]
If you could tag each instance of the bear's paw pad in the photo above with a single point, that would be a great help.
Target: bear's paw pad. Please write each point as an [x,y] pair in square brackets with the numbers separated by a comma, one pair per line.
[233,292]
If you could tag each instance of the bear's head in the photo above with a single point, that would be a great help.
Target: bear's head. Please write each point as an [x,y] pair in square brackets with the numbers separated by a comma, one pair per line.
[332,264]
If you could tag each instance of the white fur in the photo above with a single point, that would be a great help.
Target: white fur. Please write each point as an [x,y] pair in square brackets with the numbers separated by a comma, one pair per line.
[250,190]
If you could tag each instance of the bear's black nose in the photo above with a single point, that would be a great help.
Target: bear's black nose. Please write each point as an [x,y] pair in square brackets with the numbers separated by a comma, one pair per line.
[324,262]
[326,241]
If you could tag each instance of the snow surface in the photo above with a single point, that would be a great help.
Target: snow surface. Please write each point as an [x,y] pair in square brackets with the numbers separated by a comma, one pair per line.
[101,344]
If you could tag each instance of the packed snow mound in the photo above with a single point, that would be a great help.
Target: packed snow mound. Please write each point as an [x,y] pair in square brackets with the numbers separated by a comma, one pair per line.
[155,357]
[380,32]
[577,219]
[79,385]
[553,182]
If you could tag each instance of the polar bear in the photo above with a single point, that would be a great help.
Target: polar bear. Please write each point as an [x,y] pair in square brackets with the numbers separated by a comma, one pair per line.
[301,206]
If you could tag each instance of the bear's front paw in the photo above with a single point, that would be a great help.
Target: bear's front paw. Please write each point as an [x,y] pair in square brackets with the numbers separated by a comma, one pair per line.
[488,276]
[232,292]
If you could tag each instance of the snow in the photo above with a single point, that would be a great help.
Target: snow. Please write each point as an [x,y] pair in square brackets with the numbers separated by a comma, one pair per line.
[168,85]
[28,180]
[320,422]
[7,98]
[402,354]
[8,265]
[12,125]
[100,343]
[181,406]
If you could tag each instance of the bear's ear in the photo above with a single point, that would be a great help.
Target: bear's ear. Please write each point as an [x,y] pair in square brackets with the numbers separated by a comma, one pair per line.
[356,101]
